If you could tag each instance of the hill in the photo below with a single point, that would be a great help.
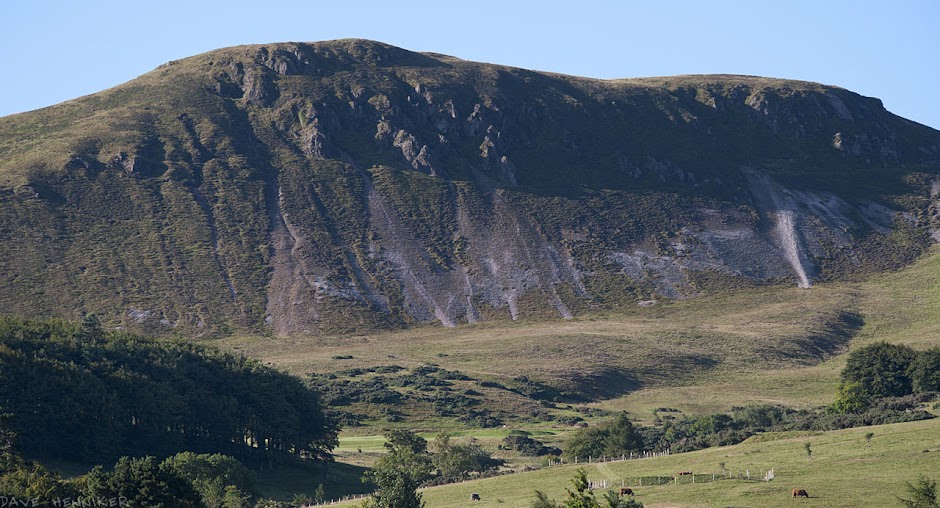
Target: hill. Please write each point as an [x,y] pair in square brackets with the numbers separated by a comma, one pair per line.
[351,185]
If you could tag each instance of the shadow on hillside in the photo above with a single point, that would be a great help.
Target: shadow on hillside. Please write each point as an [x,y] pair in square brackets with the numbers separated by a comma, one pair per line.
[606,383]
[338,479]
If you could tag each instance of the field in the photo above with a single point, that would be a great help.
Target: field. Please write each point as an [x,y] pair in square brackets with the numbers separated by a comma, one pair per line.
[729,346]
[900,307]
[776,345]
[843,471]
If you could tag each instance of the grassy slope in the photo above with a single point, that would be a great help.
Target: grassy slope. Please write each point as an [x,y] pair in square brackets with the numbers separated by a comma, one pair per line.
[750,330]
[898,307]
[600,356]
[756,337]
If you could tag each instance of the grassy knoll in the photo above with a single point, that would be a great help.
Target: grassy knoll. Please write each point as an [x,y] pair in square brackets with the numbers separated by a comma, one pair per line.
[844,471]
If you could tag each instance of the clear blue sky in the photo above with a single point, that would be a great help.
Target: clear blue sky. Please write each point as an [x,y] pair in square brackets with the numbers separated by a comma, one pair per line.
[56,50]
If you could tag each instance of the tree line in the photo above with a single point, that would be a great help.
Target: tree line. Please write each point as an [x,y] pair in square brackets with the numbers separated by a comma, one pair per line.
[74,391]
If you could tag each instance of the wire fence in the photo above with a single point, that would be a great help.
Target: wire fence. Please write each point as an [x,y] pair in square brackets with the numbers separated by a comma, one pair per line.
[682,479]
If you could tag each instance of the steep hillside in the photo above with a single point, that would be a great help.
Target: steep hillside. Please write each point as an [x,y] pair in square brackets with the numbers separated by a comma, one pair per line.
[352,185]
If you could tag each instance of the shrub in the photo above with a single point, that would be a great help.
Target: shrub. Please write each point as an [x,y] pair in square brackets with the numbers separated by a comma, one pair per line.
[456,462]
[925,372]
[528,446]
[852,399]
[216,477]
[923,494]
[613,438]
[882,369]
[569,420]
[142,482]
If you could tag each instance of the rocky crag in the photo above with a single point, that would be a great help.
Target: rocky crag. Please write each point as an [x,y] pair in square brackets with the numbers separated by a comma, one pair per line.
[350,185]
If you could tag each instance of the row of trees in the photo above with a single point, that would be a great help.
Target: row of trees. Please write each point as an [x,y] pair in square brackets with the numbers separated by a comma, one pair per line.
[77,392]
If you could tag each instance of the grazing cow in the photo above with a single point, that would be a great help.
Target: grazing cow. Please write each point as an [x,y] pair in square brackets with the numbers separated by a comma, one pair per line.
[800,493]
[474,497]
[683,473]
[626,491]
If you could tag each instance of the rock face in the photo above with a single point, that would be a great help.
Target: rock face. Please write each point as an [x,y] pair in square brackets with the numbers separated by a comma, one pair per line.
[307,188]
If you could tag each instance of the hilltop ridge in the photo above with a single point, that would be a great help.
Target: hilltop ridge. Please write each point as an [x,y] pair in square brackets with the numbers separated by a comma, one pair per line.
[350,185]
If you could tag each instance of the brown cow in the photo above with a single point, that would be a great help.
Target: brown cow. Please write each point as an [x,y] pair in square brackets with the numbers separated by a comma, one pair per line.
[626,491]
[800,493]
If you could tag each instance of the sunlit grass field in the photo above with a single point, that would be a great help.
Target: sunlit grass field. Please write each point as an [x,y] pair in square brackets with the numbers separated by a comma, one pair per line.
[843,471]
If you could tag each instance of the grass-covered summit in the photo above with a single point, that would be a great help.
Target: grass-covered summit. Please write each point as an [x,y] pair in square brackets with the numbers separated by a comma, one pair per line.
[350,185]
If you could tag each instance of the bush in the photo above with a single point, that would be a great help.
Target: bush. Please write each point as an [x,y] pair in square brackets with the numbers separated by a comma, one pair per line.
[455,462]
[612,439]
[922,493]
[925,372]
[882,369]
[852,399]
[569,420]
[482,419]
[528,446]
[142,482]
[693,433]
[220,480]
